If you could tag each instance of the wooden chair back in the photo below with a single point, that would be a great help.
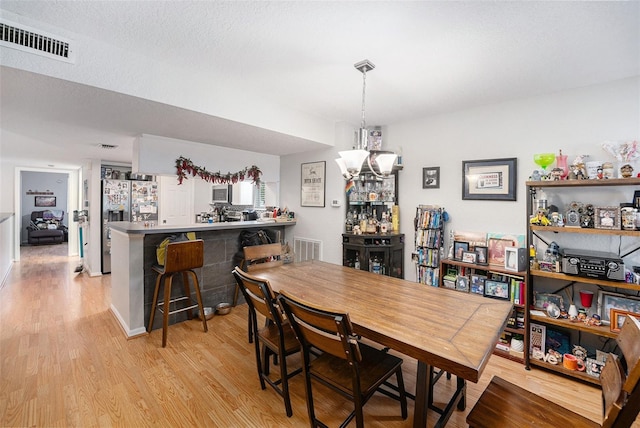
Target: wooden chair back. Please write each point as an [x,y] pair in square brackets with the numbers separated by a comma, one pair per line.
[259,295]
[257,257]
[629,342]
[321,328]
[183,256]
[504,404]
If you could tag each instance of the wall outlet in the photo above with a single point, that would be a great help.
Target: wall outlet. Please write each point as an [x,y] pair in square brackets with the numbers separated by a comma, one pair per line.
[335,202]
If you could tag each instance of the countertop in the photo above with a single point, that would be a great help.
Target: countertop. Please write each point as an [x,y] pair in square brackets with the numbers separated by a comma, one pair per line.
[139,228]
[5,216]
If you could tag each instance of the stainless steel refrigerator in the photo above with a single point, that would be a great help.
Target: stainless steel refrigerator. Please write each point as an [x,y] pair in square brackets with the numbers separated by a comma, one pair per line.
[125,200]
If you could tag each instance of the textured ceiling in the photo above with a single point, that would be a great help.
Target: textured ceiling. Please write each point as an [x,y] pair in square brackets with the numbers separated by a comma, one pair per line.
[430,57]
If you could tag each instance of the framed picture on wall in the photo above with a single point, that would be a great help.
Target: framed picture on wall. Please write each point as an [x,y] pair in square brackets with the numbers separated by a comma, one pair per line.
[490,179]
[45,201]
[312,184]
[431,177]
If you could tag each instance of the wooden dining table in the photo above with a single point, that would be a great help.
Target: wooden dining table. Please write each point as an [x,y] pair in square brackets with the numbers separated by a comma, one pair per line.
[451,330]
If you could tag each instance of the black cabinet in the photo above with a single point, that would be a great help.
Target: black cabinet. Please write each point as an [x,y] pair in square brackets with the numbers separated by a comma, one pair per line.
[377,253]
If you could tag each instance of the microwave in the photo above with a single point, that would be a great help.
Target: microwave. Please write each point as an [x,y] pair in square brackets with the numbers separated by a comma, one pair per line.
[221,193]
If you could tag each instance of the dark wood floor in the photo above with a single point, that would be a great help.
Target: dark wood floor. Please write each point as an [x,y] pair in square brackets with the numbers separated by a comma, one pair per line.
[64,361]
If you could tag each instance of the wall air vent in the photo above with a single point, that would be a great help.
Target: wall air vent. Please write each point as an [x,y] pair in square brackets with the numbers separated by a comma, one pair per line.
[27,39]
[107,146]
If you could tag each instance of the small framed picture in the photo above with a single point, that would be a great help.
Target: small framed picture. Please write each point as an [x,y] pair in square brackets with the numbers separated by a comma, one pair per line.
[481,255]
[622,302]
[511,259]
[469,256]
[477,284]
[496,250]
[459,247]
[617,317]
[462,283]
[497,289]
[431,177]
[606,218]
[542,300]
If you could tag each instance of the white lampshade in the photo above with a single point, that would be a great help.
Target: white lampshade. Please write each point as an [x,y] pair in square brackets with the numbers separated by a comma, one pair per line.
[353,160]
[385,163]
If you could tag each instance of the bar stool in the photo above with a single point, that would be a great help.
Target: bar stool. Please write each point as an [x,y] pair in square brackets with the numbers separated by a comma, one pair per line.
[181,257]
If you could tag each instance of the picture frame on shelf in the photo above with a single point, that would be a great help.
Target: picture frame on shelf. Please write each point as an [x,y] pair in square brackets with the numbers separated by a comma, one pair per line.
[431,177]
[459,247]
[469,256]
[477,284]
[542,300]
[617,318]
[481,255]
[511,259]
[490,179]
[608,300]
[462,283]
[496,250]
[312,184]
[606,218]
[497,289]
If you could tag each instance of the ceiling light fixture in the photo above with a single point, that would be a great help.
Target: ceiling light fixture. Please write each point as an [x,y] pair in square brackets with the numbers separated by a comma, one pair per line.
[351,161]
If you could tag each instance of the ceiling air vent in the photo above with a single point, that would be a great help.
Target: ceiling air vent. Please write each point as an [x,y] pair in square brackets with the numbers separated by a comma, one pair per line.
[27,39]
[107,146]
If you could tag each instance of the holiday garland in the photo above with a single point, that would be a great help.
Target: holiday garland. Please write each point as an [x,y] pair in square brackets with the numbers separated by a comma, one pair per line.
[185,167]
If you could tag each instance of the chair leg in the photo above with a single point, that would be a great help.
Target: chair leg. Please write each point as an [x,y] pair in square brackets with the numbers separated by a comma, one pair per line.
[187,294]
[285,383]
[250,326]
[196,284]
[402,393]
[167,304]
[155,303]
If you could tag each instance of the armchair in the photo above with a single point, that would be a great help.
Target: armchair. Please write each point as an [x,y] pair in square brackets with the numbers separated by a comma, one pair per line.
[46,227]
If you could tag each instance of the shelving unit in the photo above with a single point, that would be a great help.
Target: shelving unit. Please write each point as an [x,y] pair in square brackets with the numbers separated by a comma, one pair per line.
[429,243]
[598,193]
[519,320]
[379,252]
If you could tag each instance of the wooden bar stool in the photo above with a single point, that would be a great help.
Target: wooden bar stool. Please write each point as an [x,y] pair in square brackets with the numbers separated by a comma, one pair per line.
[181,257]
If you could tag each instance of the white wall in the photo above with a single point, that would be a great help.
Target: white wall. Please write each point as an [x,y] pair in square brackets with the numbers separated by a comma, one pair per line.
[157,155]
[575,121]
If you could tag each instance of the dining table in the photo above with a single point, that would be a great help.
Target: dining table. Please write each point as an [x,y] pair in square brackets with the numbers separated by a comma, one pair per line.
[439,327]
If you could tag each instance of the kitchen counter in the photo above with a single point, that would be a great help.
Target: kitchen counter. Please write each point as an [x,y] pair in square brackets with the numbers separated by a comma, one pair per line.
[133,253]
[139,228]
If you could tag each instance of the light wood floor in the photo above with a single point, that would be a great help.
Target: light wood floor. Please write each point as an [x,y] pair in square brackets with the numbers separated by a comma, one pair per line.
[65,362]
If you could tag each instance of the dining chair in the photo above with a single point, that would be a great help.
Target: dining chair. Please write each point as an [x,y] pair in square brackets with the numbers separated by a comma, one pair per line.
[353,369]
[276,338]
[258,257]
[503,404]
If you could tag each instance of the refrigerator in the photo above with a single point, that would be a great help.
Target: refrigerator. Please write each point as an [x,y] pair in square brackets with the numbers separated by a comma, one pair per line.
[125,200]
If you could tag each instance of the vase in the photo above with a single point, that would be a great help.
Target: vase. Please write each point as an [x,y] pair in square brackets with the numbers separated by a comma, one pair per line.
[517,344]
[573,312]
[561,162]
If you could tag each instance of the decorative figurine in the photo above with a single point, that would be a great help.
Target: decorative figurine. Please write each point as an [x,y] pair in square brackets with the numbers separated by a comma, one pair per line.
[540,219]
[556,174]
[626,170]
[535,176]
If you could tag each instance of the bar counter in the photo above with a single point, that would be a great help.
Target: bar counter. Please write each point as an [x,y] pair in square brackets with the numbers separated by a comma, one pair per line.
[133,253]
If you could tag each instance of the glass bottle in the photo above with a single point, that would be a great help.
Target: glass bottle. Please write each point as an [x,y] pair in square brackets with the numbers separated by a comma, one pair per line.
[349,222]
[561,162]
[356,264]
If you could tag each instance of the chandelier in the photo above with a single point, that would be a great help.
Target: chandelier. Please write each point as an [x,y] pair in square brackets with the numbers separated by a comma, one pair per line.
[380,162]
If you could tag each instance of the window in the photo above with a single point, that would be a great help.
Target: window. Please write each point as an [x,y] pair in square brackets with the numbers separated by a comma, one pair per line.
[258,196]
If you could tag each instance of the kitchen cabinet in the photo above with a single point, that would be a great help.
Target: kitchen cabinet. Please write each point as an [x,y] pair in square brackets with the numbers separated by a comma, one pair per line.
[378,253]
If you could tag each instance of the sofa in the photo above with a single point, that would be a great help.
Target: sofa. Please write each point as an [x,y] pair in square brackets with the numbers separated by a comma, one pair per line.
[46,227]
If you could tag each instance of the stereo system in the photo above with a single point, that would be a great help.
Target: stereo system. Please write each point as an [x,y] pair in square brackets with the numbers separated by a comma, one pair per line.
[593,264]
